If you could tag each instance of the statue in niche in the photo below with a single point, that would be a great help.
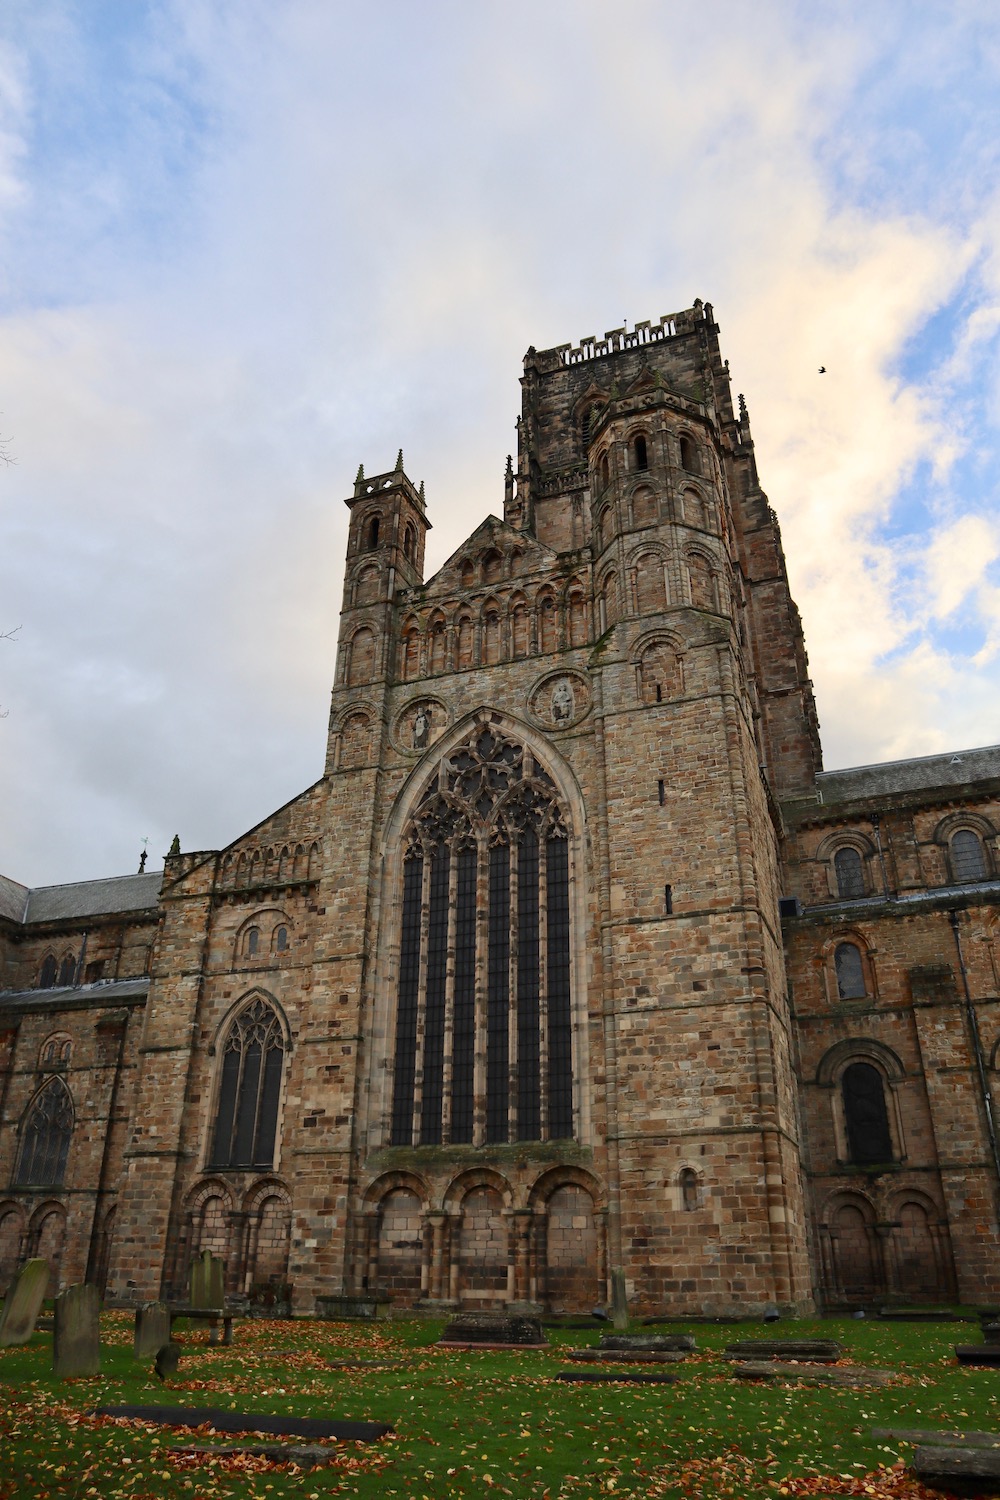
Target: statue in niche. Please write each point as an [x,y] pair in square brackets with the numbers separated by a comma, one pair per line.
[421,728]
[563,702]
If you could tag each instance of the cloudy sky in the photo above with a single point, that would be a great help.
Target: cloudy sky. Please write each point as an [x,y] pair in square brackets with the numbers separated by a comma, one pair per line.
[248,244]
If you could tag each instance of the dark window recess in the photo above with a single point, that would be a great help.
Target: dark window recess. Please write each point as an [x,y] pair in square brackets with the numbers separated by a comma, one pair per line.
[668,900]
[659,692]
[850,972]
[50,970]
[247,1116]
[45,1138]
[528,1102]
[94,971]
[661,792]
[67,970]
[497,1043]
[253,941]
[689,1189]
[437,964]
[850,874]
[463,1043]
[689,456]
[868,1138]
[281,939]
[560,1023]
[639,453]
[406,1012]
[967,856]
[371,541]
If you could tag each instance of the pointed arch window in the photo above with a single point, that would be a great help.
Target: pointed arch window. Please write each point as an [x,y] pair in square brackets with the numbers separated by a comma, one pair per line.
[483,1046]
[45,1137]
[50,972]
[246,1119]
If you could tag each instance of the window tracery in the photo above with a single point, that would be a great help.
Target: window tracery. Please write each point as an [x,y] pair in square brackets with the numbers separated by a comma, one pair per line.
[483,1048]
[45,1137]
[247,1113]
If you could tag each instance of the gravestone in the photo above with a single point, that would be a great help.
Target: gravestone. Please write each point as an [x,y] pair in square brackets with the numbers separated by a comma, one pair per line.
[849,1376]
[24,1303]
[207,1281]
[986,1356]
[494,1329]
[627,1356]
[76,1340]
[968,1471]
[302,1455]
[616,1377]
[619,1301]
[926,1437]
[224,1420]
[811,1351]
[656,1342]
[152,1330]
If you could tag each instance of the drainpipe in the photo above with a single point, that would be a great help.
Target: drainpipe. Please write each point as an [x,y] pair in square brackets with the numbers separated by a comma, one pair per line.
[977,1046]
[876,829]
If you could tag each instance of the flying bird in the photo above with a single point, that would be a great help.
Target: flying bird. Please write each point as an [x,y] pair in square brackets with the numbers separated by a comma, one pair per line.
[822,369]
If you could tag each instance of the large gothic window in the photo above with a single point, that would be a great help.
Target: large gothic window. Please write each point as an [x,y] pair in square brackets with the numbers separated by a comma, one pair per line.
[483,1021]
[45,1137]
[865,1114]
[247,1117]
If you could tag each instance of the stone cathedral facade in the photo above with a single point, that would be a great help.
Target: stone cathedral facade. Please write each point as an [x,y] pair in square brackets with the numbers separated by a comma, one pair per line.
[573,960]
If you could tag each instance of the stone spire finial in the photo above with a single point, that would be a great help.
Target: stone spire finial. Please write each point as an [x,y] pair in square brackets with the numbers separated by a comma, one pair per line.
[421,492]
[360,474]
[744,415]
[399,462]
[175,846]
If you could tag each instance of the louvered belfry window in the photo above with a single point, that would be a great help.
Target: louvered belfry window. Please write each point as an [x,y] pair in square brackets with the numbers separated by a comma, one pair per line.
[483,1043]
[247,1117]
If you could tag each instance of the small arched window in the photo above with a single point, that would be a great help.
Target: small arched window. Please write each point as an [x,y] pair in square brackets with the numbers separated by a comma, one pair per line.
[967,859]
[640,457]
[850,972]
[45,1137]
[410,542]
[281,939]
[50,970]
[850,874]
[246,1120]
[689,1189]
[252,942]
[865,1114]
[605,472]
[371,534]
[689,455]
[67,969]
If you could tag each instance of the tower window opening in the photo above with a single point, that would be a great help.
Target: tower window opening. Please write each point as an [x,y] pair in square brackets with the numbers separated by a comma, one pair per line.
[661,792]
[689,456]
[409,543]
[639,452]
[668,900]
[371,536]
[659,692]
[605,472]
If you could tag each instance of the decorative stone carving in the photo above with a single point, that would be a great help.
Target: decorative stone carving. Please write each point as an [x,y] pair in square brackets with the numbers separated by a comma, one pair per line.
[419,724]
[560,700]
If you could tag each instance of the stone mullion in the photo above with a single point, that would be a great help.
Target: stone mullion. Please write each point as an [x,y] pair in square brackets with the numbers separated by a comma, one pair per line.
[514,944]
[449,998]
[543,986]
[482,993]
[418,1061]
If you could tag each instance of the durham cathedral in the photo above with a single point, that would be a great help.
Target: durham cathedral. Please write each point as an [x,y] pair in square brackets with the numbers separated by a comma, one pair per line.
[574,968]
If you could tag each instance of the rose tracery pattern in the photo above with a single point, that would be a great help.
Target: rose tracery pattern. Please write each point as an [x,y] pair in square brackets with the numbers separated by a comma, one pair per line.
[483,1016]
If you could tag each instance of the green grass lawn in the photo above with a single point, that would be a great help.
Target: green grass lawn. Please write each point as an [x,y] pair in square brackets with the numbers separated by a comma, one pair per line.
[489,1423]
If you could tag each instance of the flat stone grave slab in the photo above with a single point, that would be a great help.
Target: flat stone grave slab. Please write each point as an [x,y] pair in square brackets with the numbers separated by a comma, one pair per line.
[621,1377]
[658,1342]
[24,1303]
[918,1315]
[489,1330]
[985,1355]
[970,1471]
[990,1332]
[364,1364]
[628,1356]
[76,1340]
[844,1375]
[812,1351]
[303,1455]
[250,1421]
[926,1437]
[336,1309]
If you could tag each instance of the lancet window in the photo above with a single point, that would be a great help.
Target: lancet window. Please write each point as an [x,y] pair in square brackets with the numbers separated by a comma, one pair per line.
[247,1115]
[483,1046]
[45,1137]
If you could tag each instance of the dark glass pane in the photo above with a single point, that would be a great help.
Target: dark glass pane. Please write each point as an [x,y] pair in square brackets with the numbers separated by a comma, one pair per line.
[267,1120]
[528,1092]
[49,972]
[246,1108]
[864,1110]
[223,1145]
[45,1139]
[67,971]
[437,964]
[850,972]
[641,461]
[464,1026]
[850,874]
[967,856]
[560,1033]
[497,998]
[406,1011]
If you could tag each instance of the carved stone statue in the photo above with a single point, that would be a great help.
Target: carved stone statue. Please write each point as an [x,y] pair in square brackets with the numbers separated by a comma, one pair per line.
[421,728]
[563,702]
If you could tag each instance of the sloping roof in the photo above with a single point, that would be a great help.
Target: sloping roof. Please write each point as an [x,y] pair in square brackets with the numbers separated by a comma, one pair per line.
[93,898]
[925,773]
[13,899]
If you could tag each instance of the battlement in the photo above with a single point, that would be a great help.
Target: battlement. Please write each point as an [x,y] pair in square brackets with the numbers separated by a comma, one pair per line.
[617,340]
